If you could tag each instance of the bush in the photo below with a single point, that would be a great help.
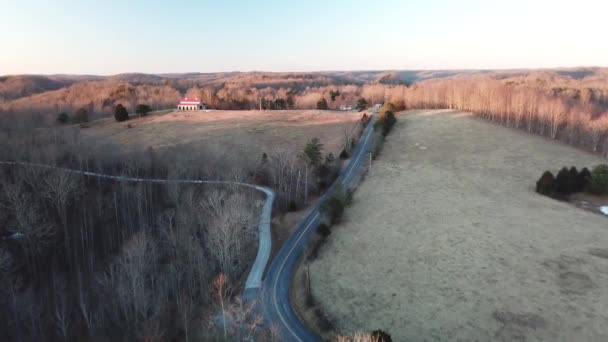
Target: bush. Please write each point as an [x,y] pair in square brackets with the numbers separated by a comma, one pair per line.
[381,336]
[598,184]
[583,179]
[142,109]
[546,184]
[344,155]
[322,104]
[120,113]
[292,206]
[81,116]
[63,118]
[323,322]
[364,119]
[333,207]
[323,230]
[361,104]
[564,181]
[385,122]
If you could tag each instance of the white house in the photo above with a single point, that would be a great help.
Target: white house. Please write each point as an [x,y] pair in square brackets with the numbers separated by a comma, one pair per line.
[190,104]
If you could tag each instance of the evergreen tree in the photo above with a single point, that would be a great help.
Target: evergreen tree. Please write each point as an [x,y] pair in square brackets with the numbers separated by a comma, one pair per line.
[322,104]
[546,184]
[121,113]
[63,118]
[598,183]
[361,104]
[142,109]
[313,151]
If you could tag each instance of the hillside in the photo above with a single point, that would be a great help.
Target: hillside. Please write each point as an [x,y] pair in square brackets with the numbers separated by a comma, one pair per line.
[46,96]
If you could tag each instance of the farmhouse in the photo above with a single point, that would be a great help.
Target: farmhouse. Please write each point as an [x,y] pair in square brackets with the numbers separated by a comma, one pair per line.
[190,104]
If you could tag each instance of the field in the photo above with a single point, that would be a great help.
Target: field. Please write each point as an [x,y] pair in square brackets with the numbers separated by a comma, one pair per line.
[447,240]
[245,134]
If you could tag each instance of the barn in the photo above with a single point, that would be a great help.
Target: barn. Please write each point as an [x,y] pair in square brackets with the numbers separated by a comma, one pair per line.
[190,104]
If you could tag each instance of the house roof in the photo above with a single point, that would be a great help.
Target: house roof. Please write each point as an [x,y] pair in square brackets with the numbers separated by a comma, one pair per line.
[187,101]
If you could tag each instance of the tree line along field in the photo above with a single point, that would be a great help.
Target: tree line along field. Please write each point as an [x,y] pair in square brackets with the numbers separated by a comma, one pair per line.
[447,240]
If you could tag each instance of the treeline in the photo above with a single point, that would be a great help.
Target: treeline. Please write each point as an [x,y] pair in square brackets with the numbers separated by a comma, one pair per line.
[581,121]
[570,181]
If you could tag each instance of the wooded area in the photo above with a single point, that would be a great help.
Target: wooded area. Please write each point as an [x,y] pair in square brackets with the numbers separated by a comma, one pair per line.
[86,258]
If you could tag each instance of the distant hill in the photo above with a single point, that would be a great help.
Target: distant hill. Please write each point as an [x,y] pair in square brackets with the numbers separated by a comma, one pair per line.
[50,94]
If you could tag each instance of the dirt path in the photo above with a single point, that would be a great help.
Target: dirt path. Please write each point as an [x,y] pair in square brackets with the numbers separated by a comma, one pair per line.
[447,241]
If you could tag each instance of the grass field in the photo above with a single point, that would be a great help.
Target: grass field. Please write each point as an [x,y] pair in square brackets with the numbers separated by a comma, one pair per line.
[448,241]
[242,133]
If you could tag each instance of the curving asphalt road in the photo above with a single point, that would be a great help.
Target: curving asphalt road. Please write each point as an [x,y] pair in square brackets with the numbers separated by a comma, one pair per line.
[276,288]
[254,279]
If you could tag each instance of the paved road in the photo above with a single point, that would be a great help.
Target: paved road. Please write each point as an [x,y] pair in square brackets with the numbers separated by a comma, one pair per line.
[276,287]
[254,279]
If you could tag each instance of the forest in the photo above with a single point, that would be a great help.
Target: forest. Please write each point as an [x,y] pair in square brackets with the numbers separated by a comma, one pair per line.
[88,258]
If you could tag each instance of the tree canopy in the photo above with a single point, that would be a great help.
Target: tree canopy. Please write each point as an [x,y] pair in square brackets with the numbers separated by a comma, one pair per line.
[361,104]
[142,109]
[322,104]
[313,151]
[121,113]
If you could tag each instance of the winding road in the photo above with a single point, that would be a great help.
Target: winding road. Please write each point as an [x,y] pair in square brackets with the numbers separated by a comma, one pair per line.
[254,279]
[276,288]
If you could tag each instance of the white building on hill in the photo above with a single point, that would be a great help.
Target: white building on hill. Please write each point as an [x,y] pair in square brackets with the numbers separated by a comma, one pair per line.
[190,104]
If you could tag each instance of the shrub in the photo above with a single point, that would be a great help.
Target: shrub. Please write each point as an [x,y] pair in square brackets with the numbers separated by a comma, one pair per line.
[381,336]
[385,122]
[562,181]
[573,180]
[598,184]
[323,230]
[387,107]
[120,113]
[546,184]
[364,119]
[344,155]
[361,104]
[81,116]
[309,301]
[63,118]
[334,94]
[583,179]
[333,207]
[323,322]
[322,104]
[292,206]
[142,109]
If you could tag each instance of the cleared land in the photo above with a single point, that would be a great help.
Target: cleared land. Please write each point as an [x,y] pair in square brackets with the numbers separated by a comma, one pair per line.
[242,133]
[447,241]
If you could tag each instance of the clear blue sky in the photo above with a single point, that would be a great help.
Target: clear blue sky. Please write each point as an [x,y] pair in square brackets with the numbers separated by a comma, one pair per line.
[111,36]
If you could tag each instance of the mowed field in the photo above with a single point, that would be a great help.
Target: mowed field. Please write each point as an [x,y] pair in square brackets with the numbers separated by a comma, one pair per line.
[447,241]
[241,133]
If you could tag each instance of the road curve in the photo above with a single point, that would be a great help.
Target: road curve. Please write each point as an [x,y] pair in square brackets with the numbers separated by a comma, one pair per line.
[254,279]
[276,288]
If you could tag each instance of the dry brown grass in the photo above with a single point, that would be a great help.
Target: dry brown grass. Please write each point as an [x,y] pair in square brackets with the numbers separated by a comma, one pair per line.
[242,133]
[447,240]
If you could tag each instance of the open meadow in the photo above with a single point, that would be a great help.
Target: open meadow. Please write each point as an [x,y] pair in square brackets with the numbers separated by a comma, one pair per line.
[246,134]
[447,241]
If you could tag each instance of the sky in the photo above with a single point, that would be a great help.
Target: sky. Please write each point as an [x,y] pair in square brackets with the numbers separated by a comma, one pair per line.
[118,36]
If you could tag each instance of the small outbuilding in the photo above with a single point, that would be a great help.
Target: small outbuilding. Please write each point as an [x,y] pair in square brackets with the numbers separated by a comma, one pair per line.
[191,104]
